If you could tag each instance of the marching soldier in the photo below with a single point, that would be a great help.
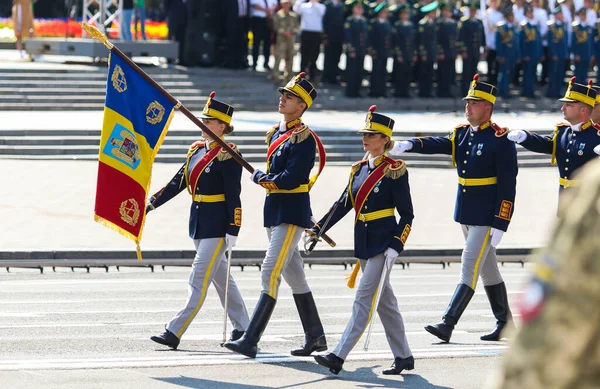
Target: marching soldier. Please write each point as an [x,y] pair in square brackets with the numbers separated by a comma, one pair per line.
[486,163]
[531,47]
[573,142]
[472,38]
[290,158]
[581,45]
[404,51]
[355,38]
[508,52]
[333,40]
[380,49]
[559,343]
[286,26]
[428,48]
[378,185]
[558,51]
[447,35]
[212,177]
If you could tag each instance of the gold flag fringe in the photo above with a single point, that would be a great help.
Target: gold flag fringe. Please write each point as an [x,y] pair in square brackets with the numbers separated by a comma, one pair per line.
[352,277]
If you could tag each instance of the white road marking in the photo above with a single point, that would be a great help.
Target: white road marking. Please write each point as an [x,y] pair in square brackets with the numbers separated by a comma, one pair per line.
[205,360]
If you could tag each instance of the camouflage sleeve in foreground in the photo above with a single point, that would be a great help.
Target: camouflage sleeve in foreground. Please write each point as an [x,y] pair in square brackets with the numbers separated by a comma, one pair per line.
[558,346]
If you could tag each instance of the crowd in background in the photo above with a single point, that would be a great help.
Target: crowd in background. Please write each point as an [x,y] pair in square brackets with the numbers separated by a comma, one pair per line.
[423,47]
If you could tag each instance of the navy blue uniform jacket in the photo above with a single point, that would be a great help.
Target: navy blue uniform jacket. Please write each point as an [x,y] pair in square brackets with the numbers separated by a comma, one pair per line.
[374,237]
[479,154]
[573,149]
[221,176]
[288,168]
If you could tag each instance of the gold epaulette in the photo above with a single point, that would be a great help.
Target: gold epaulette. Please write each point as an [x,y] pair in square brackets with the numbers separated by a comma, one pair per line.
[270,133]
[461,126]
[395,168]
[563,124]
[356,165]
[196,145]
[499,131]
[224,155]
[300,134]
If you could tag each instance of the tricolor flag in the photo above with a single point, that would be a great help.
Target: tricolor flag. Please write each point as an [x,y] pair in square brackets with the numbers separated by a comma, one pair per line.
[136,120]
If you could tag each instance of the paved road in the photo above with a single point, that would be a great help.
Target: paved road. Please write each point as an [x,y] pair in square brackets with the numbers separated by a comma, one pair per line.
[74,330]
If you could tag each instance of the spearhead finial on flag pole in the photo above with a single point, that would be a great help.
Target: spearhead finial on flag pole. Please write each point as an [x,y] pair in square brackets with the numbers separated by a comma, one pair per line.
[96,34]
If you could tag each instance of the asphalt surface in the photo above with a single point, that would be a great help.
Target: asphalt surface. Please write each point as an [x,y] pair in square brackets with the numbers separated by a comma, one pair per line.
[74,330]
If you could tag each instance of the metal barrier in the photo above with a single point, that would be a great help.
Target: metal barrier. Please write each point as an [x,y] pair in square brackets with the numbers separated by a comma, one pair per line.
[105,259]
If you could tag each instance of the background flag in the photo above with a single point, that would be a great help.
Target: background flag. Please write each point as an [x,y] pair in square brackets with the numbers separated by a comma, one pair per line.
[136,120]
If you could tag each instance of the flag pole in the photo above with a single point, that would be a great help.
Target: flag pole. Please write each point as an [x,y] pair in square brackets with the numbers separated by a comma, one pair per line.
[99,36]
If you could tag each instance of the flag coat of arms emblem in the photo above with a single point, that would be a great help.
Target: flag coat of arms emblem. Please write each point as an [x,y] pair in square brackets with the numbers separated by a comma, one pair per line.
[136,120]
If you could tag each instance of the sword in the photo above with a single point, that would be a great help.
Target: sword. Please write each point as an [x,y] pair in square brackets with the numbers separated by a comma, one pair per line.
[377,298]
[308,250]
[229,252]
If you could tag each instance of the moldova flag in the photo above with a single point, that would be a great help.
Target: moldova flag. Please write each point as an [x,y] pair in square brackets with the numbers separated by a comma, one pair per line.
[136,120]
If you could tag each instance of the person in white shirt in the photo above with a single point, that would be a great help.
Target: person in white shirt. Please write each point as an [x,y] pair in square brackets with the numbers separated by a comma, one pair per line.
[540,15]
[590,14]
[519,11]
[491,19]
[262,13]
[311,26]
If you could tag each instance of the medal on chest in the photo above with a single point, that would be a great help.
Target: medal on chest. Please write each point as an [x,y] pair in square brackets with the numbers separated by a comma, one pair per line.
[479,149]
[207,170]
[581,147]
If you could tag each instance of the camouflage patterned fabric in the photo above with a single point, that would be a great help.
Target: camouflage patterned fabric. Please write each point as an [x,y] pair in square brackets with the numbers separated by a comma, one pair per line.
[558,346]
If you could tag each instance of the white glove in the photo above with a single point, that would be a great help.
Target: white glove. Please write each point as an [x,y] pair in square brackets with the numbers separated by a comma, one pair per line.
[496,236]
[517,136]
[390,257]
[254,174]
[401,147]
[308,236]
[230,241]
[597,149]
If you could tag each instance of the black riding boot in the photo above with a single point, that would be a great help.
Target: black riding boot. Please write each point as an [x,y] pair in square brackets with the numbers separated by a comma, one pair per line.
[314,336]
[247,344]
[499,302]
[458,304]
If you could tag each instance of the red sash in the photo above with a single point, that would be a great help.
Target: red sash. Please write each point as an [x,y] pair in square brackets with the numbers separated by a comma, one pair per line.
[367,186]
[199,168]
[320,149]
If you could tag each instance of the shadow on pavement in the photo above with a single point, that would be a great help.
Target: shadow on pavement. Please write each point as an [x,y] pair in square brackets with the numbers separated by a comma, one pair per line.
[363,377]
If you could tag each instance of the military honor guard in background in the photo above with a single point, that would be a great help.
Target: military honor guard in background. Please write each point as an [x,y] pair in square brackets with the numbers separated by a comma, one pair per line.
[558,52]
[292,147]
[404,52]
[380,49]
[493,16]
[447,36]
[427,47]
[355,37]
[486,163]
[471,39]
[508,51]
[333,40]
[530,41]
[581,46]
[378,187]
[573,142]
[212,177]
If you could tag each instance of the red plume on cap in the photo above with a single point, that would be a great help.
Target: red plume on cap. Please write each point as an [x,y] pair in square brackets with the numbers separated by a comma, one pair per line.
[213,94]
[372,108]
[476,77]
[302,74]
[572,79]
[590,83]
